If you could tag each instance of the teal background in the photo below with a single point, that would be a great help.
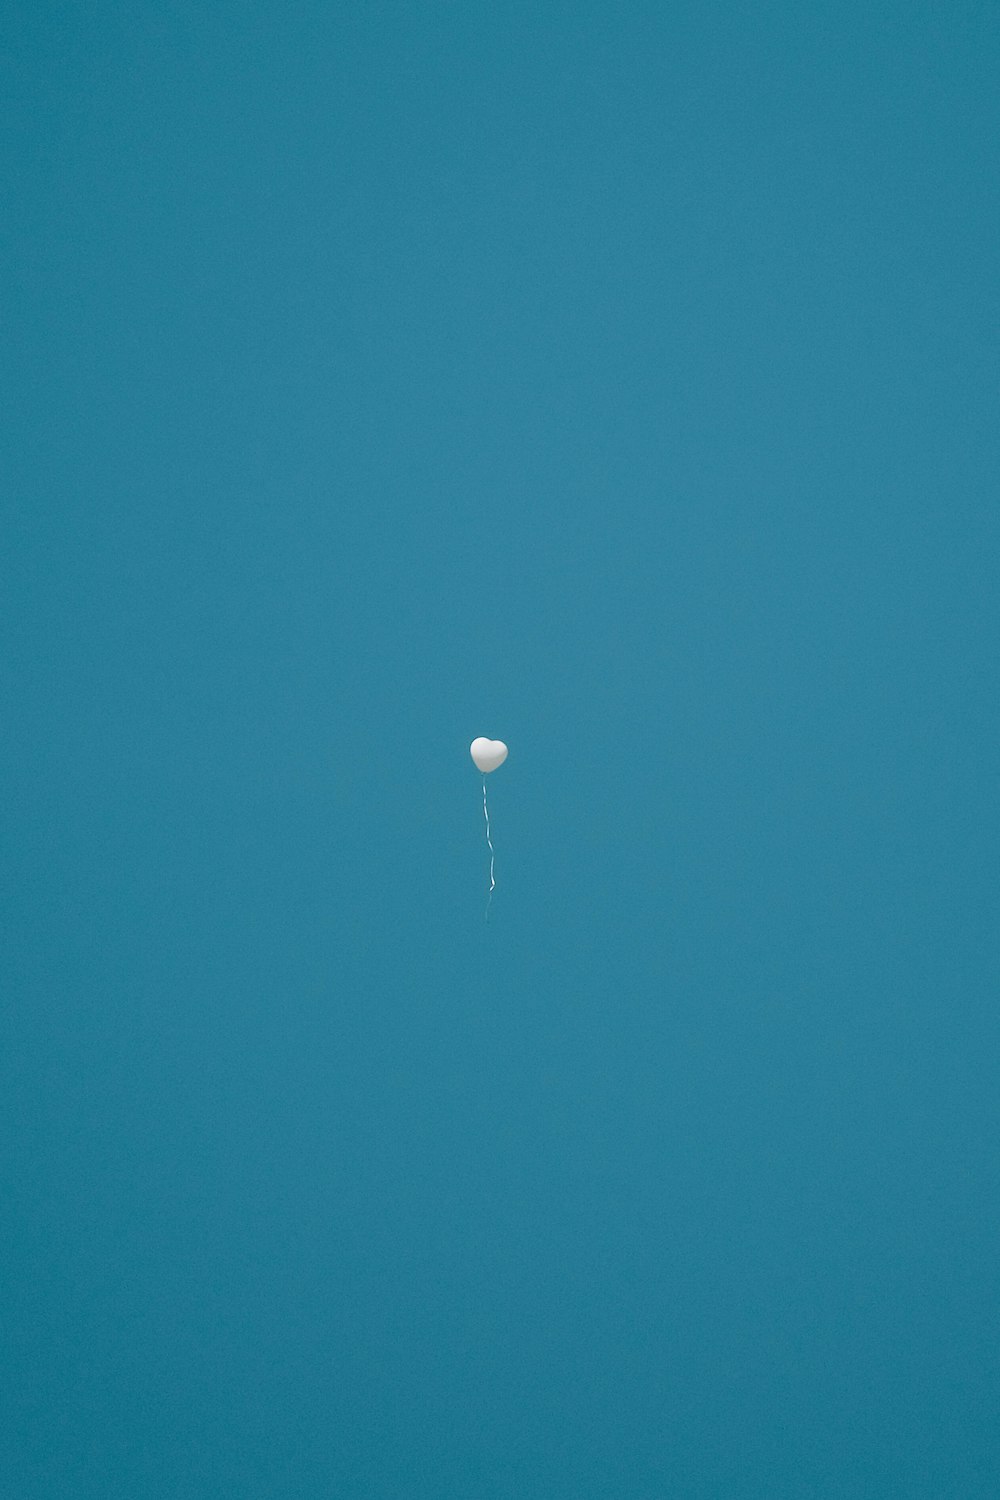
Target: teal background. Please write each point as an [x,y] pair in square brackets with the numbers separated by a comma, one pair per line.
[619,381]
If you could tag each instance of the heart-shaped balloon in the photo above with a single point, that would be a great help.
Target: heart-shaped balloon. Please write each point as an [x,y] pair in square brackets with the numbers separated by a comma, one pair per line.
[488,754]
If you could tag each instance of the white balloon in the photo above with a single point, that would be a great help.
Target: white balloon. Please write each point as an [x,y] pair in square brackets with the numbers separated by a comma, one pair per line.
[488,754]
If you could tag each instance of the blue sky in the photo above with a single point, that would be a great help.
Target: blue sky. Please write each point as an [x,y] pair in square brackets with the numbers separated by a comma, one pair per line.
[619,382]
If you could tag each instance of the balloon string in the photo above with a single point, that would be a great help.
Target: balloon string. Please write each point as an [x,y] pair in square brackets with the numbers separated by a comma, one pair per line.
[486,815]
